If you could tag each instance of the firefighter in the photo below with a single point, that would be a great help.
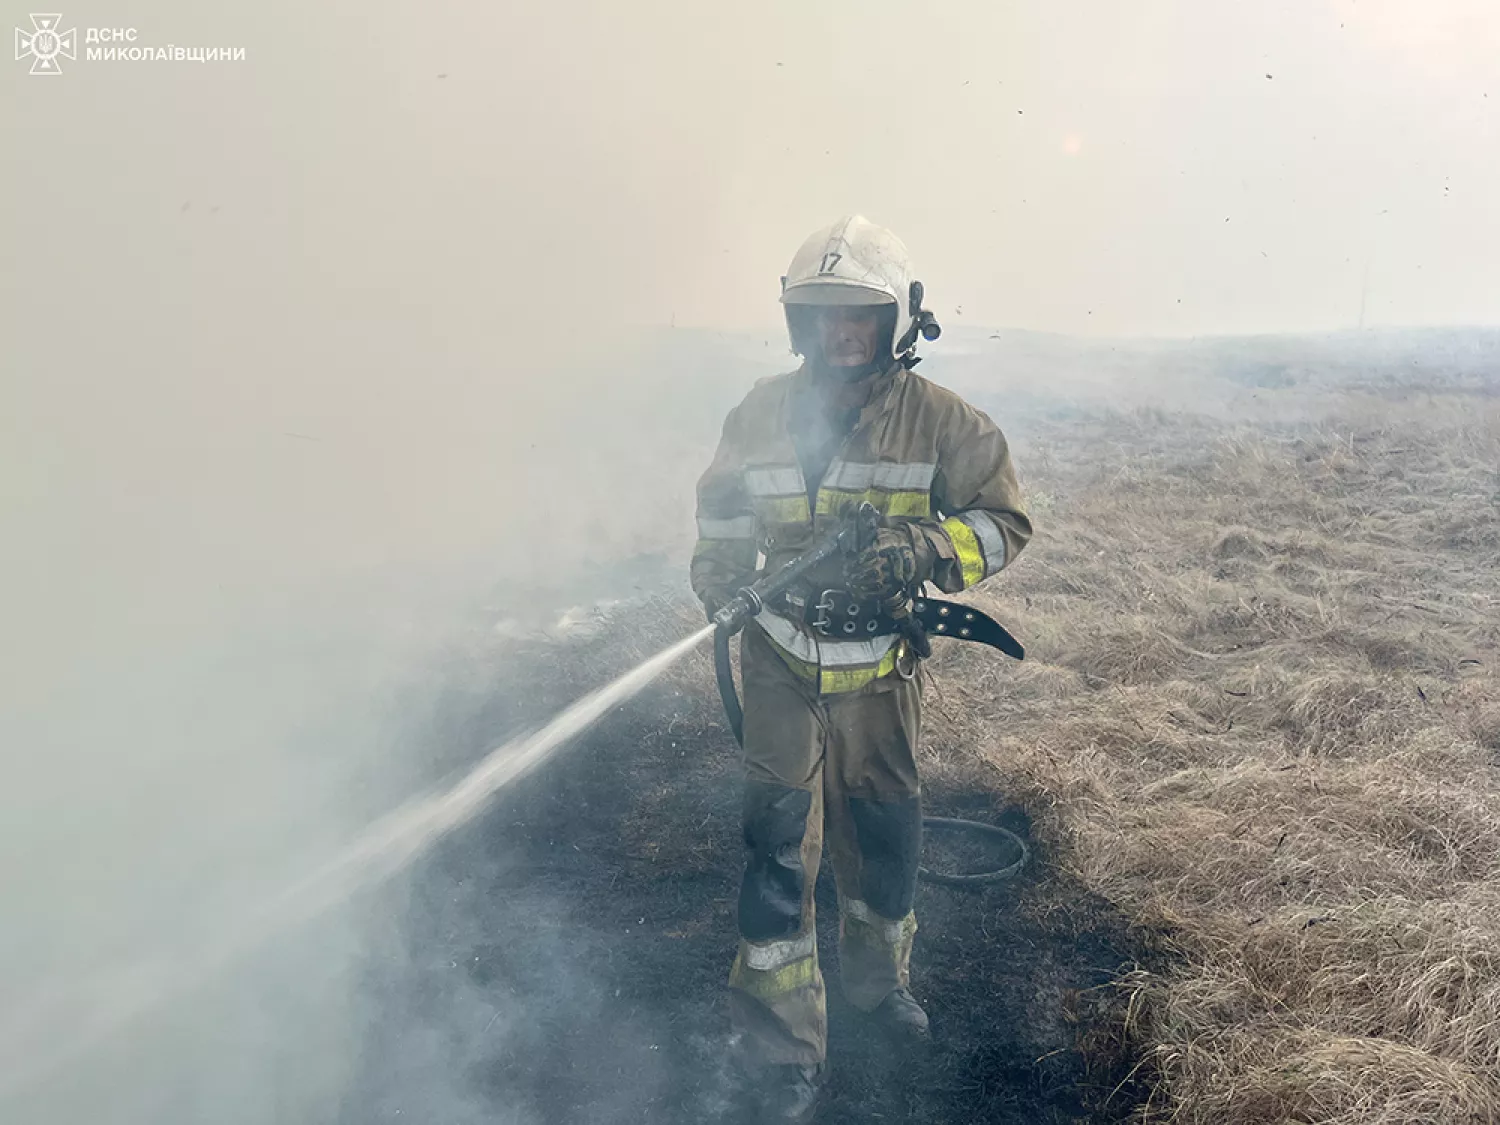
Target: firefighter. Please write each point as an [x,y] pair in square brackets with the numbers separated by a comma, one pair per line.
[832,701]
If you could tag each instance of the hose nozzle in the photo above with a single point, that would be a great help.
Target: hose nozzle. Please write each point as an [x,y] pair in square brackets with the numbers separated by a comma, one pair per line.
[745,604]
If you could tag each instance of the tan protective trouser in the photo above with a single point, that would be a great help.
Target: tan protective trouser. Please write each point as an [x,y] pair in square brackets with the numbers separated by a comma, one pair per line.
[842,764]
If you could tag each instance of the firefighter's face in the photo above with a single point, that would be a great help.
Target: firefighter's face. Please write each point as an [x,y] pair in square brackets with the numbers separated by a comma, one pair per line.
[848,334]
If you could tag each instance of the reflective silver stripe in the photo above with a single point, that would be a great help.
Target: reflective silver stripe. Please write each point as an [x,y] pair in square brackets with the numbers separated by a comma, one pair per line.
[741,527]
[890,932]
[814,650]
[893,476]
[991,542]
[774,482]
[765,956]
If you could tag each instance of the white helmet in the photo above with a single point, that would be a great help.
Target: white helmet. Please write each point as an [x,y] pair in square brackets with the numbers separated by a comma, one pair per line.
[855,262]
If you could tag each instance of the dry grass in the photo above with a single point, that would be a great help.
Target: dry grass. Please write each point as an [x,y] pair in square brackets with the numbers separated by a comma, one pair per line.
[1261,714]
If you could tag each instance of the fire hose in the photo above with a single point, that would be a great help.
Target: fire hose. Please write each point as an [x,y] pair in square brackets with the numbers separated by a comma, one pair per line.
[929,617]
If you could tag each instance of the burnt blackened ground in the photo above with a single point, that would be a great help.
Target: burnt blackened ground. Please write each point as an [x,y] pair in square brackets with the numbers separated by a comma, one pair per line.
[564,958]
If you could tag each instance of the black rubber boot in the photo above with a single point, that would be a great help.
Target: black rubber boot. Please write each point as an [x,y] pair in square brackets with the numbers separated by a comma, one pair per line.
[902,1018]
[792,1093]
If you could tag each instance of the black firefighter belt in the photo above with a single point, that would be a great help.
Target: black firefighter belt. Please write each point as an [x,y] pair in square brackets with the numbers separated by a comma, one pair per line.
[834,614]
[837,616]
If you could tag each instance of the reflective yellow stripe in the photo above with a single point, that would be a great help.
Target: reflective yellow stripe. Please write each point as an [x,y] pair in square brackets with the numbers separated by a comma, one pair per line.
[915,504]
[783,509]
[991,541]
[966,547]
[775,983]
[836,680]
[833,681]
[864,925]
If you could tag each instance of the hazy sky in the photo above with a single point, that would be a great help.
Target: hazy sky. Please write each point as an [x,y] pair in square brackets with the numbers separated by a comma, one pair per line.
[1081,166]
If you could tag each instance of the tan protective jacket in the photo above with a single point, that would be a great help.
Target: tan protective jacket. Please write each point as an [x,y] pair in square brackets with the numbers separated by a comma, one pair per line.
[918,452]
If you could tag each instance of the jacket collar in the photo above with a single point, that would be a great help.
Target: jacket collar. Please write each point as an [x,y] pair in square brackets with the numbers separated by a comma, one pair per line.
[882,389]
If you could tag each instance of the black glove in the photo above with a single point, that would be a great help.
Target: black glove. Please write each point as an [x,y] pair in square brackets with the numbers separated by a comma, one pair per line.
[916,635]
[885,570]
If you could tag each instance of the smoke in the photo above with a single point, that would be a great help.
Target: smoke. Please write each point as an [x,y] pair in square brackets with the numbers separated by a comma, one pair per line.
[320,364]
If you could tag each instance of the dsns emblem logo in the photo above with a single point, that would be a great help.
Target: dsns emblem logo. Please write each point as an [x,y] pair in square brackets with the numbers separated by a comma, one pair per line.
[44,44]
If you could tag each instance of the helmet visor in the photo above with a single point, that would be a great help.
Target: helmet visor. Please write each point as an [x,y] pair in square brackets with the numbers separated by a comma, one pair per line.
[832,291]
